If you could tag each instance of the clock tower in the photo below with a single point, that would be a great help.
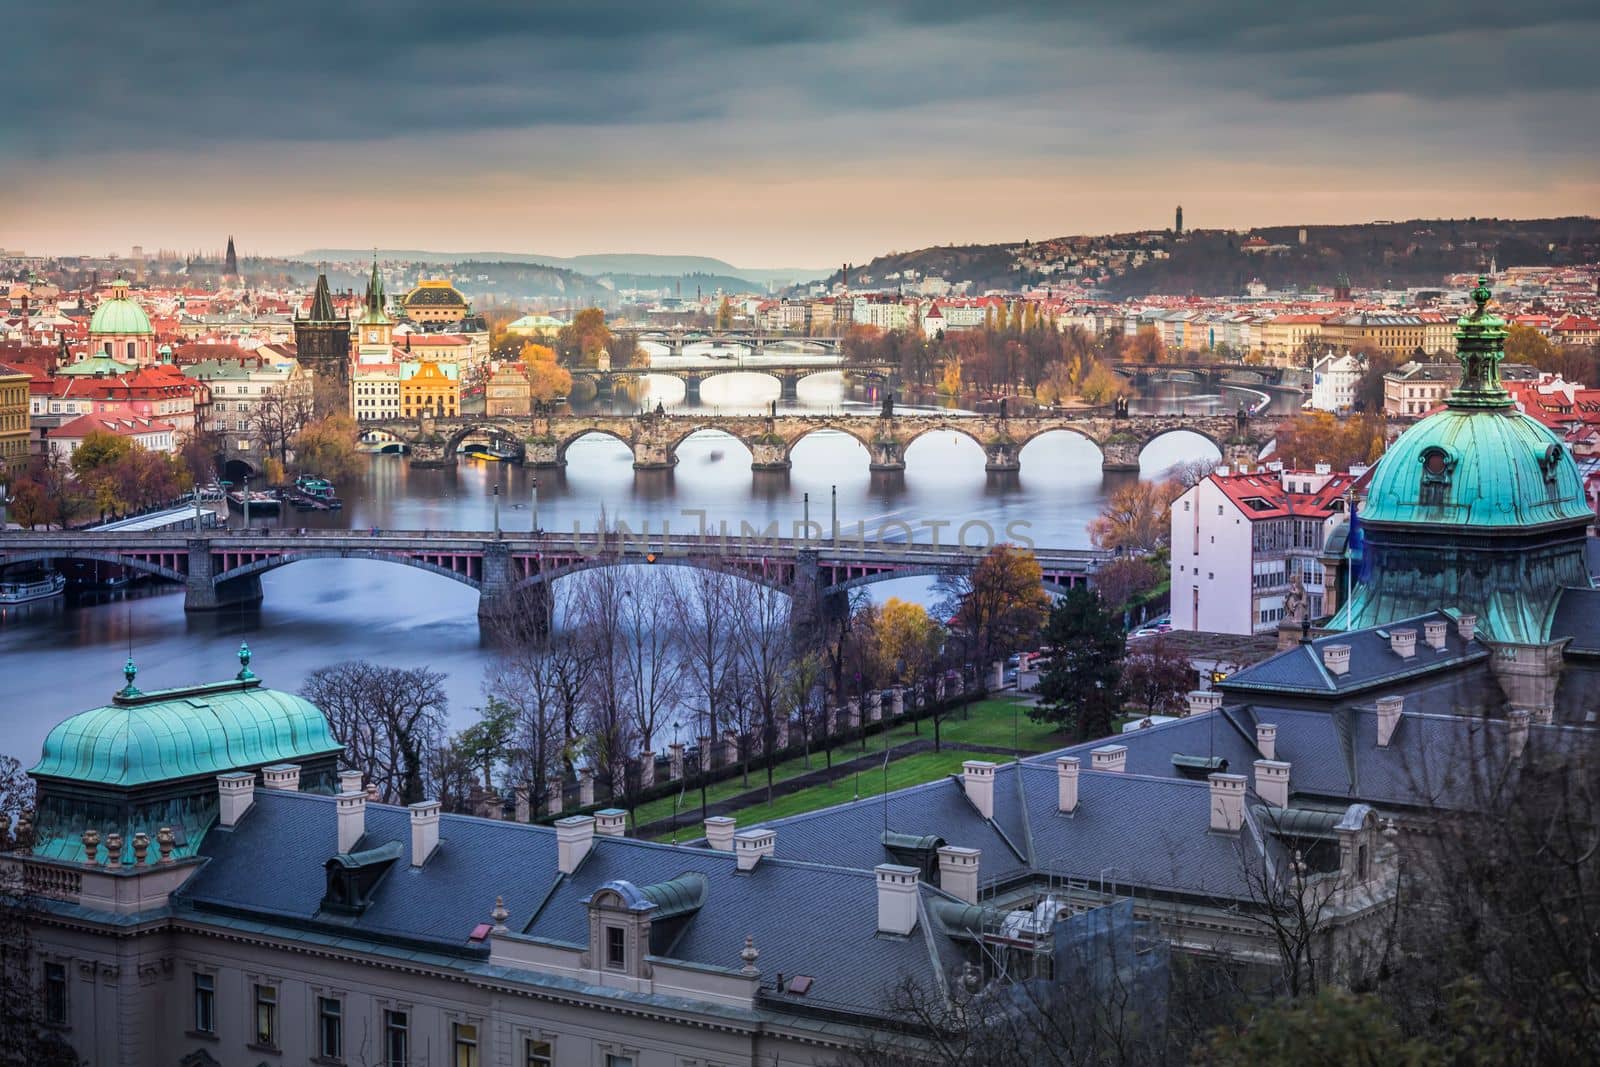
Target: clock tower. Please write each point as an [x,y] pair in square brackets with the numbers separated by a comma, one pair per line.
[374,329]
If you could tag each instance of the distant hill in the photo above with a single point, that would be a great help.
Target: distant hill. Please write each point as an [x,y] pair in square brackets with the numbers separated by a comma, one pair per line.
[1417,252]
[597,265]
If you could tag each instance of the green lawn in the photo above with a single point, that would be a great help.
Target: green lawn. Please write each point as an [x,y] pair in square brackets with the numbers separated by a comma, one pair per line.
[988,722]
[912,770]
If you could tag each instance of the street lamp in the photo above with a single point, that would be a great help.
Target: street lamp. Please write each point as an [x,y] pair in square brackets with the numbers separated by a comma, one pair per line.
[497,511]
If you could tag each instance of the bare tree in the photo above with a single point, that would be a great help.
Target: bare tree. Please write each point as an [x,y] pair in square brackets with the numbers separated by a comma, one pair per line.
[601,623]
[387,718]
[277,417]
[653,664]
[761,619]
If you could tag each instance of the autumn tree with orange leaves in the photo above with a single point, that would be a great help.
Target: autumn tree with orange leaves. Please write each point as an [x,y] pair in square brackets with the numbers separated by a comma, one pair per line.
[999,606]
[547,378]
[1318,437]
[1136,517]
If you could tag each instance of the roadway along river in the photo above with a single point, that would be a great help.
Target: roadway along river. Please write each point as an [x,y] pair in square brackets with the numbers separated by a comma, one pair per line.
[62,657]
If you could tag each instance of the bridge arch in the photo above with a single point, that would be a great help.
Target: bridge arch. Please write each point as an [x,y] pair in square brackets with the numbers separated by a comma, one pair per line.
[1197,432]
[132,563]
[589,431]
[457,436]
[781,579]
[272,563]
[794,442]
[707,428]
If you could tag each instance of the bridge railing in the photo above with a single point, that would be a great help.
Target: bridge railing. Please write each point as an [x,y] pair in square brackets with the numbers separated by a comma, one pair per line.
[634,542]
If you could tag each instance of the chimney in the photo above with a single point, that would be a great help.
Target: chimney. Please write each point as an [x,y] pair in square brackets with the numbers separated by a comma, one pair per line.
[1267,740]
[1337,659]
[1433,632]
[1403,643]
[610,822]
[1067,784]
[352,806]
[236,791]
[719,833]
[1517,731]
[977,778]
[958,872]
[1203,700]
[1227,802]
[424,830]
[750,845]
[1389,709]
[1272,782]
[1109,758]
[897,898]
[284,776]
[574,838]
[1466,626]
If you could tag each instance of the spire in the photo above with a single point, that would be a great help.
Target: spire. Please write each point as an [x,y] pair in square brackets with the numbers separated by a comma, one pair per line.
[1480,346]
[230,264]
[322,301]
[375,287]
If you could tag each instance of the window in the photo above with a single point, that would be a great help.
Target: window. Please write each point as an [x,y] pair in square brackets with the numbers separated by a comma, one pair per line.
[396,1039]
[616,951]
[464,1037]
[536,1053]
[266,1016]
[55,994]
[205,1004]
[330,1028]
[614,1060]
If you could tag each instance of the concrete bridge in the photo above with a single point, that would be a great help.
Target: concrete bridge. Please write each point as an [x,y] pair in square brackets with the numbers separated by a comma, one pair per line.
[512,573]
[789,375]
[654,438]
[674,341]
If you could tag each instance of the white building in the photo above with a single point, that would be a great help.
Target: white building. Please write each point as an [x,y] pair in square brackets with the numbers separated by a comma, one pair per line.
[1240,537]
[1333,381]
[240,386]
[375,392]
[152,435]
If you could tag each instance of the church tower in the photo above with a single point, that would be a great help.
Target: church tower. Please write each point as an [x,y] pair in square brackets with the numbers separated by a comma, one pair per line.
[322,345]
[1177,222]
[230,262]
[374,328]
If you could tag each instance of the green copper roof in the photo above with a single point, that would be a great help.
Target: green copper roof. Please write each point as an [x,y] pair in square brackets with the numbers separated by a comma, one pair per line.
[119,317]
[181,733]
[1488,467]
[373,314]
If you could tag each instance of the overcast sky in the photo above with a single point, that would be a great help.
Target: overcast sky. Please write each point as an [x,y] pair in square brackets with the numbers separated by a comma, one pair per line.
[778,134]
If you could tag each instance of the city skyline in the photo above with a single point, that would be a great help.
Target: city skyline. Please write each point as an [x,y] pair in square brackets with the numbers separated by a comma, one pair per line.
[770,141]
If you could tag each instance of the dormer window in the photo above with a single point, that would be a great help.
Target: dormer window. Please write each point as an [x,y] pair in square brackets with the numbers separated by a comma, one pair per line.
[616,947]
[1437,465]
[1550,462]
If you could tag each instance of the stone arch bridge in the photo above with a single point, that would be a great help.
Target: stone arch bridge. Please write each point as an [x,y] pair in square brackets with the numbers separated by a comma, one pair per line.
[788,375]
[654,438]
[223,569]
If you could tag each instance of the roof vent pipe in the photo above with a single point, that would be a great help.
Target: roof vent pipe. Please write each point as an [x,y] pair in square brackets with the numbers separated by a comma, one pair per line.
[1272,782]
[1434,631]
[750,845]
[424,830]
[236,791]
[1337,659]
[1403,643]
[897,899]
[352,807]
[285,776]
[610,822]
[1067,784]
[574,839]
[1389,709]
[1204,700]
[1227,802]
[1113,758]
[1466,626]
[958,872]
[977,778]
[719,833]
[1267,740]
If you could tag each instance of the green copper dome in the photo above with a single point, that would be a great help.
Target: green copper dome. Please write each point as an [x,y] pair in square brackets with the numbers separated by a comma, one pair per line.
[1482,468]
[119,317]
[172,734]
[1480,462]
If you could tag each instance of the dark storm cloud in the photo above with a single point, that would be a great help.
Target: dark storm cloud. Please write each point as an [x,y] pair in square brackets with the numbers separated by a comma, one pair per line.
[90,77]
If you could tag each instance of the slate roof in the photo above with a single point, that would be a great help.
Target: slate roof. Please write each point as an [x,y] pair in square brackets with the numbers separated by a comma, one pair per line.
[805,918]
[1577,615]
[1372,662]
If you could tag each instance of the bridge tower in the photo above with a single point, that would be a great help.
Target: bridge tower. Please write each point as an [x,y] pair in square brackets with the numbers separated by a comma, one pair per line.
[322,345]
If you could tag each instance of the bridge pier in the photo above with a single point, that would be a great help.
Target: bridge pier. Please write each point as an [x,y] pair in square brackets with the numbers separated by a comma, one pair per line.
[1121,455]
[1002,457]
[542,453]
[202,592]
[691,388]
[887,455]
[496,601]
[768,453]
[789,387]
[651,455]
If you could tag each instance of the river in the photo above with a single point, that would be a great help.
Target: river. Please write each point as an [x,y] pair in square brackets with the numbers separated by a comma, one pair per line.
[63,656]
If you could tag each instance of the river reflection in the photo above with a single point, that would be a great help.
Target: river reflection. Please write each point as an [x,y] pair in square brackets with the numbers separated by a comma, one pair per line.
[61,657]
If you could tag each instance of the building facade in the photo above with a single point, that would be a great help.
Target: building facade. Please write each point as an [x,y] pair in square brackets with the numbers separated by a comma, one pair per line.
[119,328]
[322,347]
[1334,378]
[1246,542]
[429,387]
[14,417]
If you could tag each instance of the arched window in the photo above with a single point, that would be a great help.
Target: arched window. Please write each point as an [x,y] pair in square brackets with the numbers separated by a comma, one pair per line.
[1437,465]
